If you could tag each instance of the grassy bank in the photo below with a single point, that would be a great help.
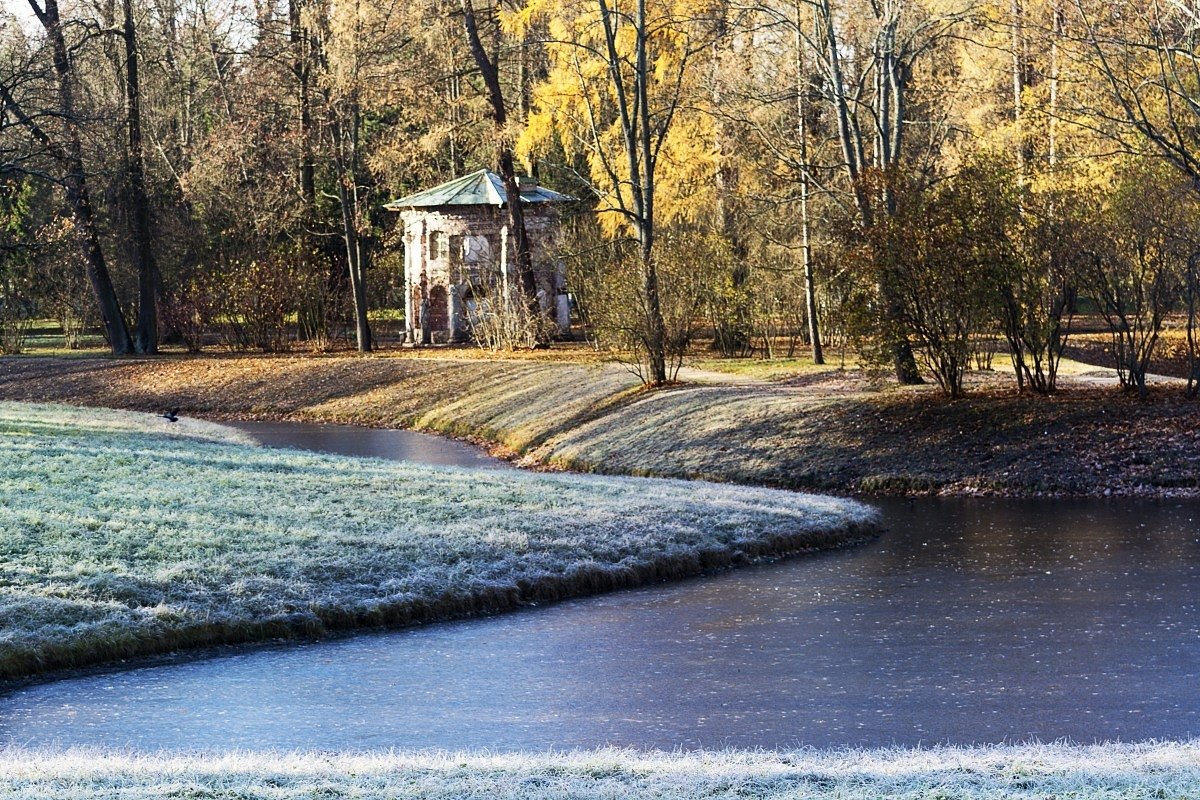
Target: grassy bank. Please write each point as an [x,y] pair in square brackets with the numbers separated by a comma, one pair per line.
[1167,771]
[800,428]
[124,534]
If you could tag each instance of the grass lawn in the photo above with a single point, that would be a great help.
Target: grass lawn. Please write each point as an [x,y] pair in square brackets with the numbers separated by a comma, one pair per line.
[123,534]
[773,368]
[1165,771]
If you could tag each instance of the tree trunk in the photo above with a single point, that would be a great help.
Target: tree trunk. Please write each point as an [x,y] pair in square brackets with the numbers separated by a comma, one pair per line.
[146,336]
[1052,122]
[656,327]
[348,200]
[356,257]
[75,182]
[1193,341]
[810,289]
[313,312]
[298,36]
[1018,82]
[732,326]
[889,109]
[345,124]
[637,139]
[516,214]
[848,138]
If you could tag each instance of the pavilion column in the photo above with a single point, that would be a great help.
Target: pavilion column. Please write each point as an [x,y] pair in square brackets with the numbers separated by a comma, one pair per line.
[504,264]
[410,264]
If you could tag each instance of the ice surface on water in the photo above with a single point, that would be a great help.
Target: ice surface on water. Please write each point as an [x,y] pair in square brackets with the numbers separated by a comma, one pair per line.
[970,621]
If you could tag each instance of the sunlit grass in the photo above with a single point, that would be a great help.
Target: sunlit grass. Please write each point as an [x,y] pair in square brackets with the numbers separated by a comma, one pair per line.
[124,534]
[1170,771]
[771,369]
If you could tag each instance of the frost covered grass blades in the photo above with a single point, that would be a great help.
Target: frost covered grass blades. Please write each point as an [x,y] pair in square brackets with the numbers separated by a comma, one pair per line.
[123,534]
[1111,772]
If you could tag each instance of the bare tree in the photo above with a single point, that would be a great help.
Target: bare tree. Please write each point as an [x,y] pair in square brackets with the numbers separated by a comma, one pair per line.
[146,335]
[66,148]
[806,186]
[871,109]
[1147,54]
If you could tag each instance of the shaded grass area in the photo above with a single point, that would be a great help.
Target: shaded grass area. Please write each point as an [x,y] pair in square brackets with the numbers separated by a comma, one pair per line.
[122,534]
[1170,771]
[1076,443]
[830,430]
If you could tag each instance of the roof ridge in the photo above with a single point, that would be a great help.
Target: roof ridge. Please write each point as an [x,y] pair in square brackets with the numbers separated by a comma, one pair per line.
[499,193]
[467,181]
[481,187]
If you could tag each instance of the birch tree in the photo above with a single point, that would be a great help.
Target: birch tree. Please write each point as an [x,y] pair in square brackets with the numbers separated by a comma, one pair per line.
[619,79]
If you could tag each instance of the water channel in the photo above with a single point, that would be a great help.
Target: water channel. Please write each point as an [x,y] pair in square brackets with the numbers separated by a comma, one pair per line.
[970,621]
[353,440]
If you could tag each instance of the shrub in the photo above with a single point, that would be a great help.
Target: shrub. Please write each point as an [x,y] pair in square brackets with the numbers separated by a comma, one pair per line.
[608,282]
[255,299]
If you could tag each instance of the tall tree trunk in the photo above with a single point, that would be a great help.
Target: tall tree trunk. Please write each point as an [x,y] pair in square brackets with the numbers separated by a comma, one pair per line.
[656,328]
[70,157]
[1193,320]
[732,326]
[348,185]
[146,336]
[1052,123]
[299,37]
[810,289]
[848,137]
[504,156]
[345,125]
[637,141]
[313,312]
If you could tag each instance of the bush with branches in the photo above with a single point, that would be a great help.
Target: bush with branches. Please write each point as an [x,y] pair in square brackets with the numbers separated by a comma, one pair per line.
[613,303]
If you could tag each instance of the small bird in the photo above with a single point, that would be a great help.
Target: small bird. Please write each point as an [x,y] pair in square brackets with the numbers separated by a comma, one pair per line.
[171,416]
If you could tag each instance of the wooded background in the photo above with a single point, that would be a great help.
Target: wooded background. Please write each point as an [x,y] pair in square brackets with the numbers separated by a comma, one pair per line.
[925,181]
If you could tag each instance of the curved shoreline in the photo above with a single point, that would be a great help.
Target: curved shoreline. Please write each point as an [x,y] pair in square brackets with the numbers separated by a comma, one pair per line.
[435,545]
[449,607]
[831,432]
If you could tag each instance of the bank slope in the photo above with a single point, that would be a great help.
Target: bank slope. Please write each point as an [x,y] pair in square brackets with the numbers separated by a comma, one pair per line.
[1170,771]
[123,534]
[829,431]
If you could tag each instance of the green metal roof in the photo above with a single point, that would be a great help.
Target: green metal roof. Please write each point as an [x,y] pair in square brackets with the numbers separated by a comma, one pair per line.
[480,188]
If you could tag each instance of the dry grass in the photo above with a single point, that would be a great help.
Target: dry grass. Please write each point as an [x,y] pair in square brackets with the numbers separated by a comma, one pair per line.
[1165,771]
[123,534]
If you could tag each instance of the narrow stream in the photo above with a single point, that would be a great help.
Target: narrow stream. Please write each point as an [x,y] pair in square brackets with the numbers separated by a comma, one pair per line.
[971,621]
[352,440]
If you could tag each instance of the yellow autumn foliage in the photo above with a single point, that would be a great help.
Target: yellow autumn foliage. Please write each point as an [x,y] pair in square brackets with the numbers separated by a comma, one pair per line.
[575,107]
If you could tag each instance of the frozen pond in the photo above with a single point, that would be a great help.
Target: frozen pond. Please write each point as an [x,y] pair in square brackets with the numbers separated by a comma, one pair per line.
[351,440]
[970,621]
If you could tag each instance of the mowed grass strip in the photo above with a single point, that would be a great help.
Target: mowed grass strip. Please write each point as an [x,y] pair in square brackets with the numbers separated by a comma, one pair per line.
[123,534]
[1170,771]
